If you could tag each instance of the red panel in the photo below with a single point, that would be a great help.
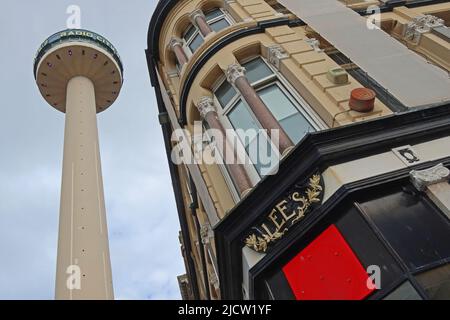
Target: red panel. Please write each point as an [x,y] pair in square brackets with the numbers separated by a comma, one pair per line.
[327,269]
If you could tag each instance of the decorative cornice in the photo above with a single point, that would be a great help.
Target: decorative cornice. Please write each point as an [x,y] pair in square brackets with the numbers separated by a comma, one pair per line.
[424,178]
[277,53]
[234,72]
[206,105]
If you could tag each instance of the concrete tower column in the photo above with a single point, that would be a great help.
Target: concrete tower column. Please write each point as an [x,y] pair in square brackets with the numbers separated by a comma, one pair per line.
[83,235]
[80,73]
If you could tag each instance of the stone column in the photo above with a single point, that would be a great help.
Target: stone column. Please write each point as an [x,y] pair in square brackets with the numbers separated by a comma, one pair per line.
[236,76]
[198,19]
[176,45]
[435,183]
[208,112]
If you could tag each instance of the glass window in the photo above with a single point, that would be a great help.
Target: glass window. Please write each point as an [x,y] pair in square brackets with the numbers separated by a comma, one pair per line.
[404,292]
[225,93]
[241,118]
[219,25]
[213,14]
[290,119]
[413,227]
[258,147]
[196,42]
[257,70]
[280,103]
[189,33]
[367,247]
[436,282]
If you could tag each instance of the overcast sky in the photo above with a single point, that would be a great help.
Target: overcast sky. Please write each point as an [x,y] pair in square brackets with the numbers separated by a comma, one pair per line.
[142,220]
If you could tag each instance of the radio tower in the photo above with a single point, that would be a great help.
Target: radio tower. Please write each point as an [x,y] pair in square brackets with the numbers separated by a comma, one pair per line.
[79,72]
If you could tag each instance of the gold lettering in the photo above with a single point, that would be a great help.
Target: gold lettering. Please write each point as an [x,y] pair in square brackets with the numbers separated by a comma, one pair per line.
[296,197]
[273,217]
[267,230]
[282,208]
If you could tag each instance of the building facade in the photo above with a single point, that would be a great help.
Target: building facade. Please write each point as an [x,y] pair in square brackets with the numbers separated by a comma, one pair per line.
[351,99]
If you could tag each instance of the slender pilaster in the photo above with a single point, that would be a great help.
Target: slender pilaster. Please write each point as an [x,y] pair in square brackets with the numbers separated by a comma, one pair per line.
[237,171]
[236,76]
[198,19]
[83,266]
[176,45]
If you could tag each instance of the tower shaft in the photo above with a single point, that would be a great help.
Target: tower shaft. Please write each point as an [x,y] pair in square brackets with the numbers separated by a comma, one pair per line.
[83,262]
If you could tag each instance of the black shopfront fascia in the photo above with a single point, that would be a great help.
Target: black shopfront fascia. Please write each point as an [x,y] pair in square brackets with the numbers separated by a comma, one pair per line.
[391,226]
[315,153]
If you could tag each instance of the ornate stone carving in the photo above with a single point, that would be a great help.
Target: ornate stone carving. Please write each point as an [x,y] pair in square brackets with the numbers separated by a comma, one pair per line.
[175,42]
[235,71]
[206,105]
[206,233]
[277,53]
[424,178]
[419,25]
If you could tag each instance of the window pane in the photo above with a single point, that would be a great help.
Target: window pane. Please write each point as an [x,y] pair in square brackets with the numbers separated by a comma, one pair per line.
[225,93]
[219,25]
[366,246]
[258,148]
[262,154]
[257,69]
[291,120]
[404,292]
[196,42]
[241,118]
[414,228]
[213,14]
[436,282]
[189,33]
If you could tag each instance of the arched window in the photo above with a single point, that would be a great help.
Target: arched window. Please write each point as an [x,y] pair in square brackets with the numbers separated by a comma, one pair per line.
[217,20]
[292,112]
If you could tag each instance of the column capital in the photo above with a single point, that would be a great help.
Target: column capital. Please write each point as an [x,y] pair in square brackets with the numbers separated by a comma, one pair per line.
[206,105]
[195,14]
[175,41]
[234,72]
[423,178]
[277,53]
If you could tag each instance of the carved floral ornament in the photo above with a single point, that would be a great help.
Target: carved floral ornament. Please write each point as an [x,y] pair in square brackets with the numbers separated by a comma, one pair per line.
[299,201]
[277,53]
[234,72]
[205,105]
